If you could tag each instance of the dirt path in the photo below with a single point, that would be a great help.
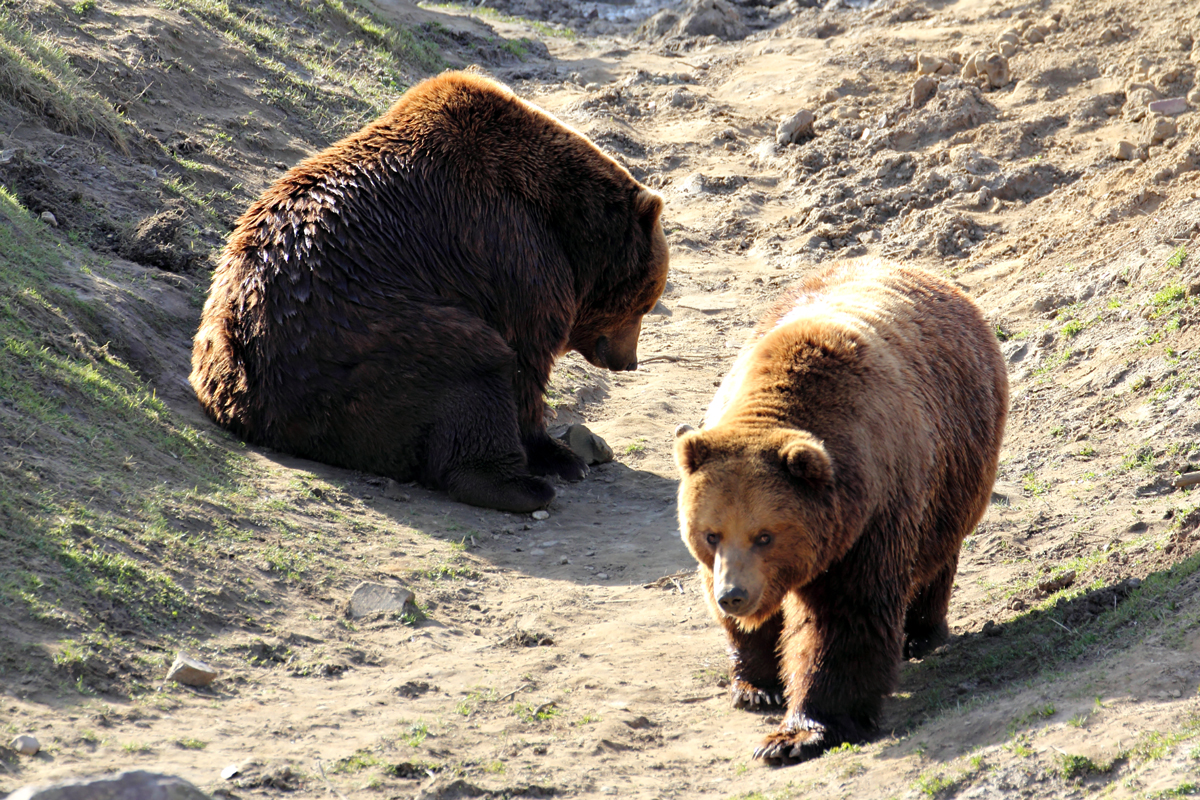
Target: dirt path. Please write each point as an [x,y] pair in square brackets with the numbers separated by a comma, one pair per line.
[573,656]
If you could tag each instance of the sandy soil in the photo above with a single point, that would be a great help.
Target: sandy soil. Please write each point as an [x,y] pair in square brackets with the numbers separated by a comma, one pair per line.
[573,656]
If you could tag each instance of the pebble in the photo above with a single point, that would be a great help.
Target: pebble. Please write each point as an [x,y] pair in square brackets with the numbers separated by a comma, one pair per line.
[49,219]
[924,88]
[132,783]
[1159,129]
[191,671]
[370,598]
[26,744]
[795,127]
[1124,151]
[1170,107]
[602,576]
[587,445]
[541,513]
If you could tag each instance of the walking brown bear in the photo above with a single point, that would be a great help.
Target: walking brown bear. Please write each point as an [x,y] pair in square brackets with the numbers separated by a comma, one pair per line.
[395,303]
[840,465]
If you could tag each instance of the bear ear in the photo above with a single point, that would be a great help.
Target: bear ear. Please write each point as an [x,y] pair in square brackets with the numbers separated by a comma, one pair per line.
[806,458]
[691,451]
[682,428]
[648,206]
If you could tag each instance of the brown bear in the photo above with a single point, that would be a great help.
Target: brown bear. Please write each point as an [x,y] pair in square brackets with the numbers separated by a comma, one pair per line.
[395,303]
[840,465]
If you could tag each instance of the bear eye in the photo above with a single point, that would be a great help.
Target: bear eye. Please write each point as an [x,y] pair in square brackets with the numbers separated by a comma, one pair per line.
[713,539]
[763,539]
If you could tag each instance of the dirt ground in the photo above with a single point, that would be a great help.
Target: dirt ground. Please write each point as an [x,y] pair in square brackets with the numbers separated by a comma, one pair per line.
[573,656]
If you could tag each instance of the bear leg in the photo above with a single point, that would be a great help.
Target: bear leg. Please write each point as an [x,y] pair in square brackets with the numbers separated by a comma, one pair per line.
[925,624]
[840,654]
[475,452]
[754,664]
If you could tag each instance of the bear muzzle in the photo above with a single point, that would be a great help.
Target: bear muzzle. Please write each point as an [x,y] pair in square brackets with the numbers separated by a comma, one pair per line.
[615,358]
[735,589]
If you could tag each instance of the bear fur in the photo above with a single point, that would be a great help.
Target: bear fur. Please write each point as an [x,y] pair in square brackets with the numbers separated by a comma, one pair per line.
[840,465]
[395,303]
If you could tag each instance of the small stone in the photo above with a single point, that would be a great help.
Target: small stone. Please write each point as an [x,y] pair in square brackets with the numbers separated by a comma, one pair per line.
[1036,34]
[231,771]
[541,513]
[7,155]
[928,64]
[371,598]
[122,786]
[49,219]
[191,671]
[922,89]
[795,127]
[682,98]
[994,67]
[26,744]
[830,95]
[587,445]
[602,576]
[1059,583]
[392,491]
[1159,129]
[564,560]
[1169,107]
[1124,151]
[1007,49]
[990,628]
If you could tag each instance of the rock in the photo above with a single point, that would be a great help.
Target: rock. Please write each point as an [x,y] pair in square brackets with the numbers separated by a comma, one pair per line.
[1124,151]
[1057,584]
[371,598]
[991,69]
[540,514]
[602,576]
[1169,107]
[1035,34]
[7,155]
[928,64]
[392,491]
[191,671]
[682,98]
[133,785]
[1159,129]
[49,219]
[696,18]
[26,744]
[795,127]
[922,89]
[830,95]
[587,445]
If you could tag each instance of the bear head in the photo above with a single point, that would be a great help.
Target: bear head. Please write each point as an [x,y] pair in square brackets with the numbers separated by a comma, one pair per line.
[759,510]
[609,321]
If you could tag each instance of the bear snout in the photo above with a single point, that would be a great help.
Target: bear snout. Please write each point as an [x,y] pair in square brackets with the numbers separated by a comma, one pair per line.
[733,600]
[612,358]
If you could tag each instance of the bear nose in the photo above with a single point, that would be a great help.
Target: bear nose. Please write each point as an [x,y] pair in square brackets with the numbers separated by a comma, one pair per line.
[631,366]
[733,600]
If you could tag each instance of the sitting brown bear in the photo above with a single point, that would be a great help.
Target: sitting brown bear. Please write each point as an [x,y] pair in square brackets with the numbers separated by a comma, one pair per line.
[843,460]
[395,303]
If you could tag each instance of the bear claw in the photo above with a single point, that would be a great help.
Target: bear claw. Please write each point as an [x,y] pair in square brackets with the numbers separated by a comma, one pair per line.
[747,695]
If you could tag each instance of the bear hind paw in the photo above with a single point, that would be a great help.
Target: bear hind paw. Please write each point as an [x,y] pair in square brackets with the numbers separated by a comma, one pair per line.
[518,494]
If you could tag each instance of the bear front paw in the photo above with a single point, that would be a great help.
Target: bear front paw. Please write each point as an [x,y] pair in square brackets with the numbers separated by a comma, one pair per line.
[549,457]
[790,745]
[747,695]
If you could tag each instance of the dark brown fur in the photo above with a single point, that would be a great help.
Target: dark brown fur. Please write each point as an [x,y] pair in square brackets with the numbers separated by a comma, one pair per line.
[395,303]
[844,459]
